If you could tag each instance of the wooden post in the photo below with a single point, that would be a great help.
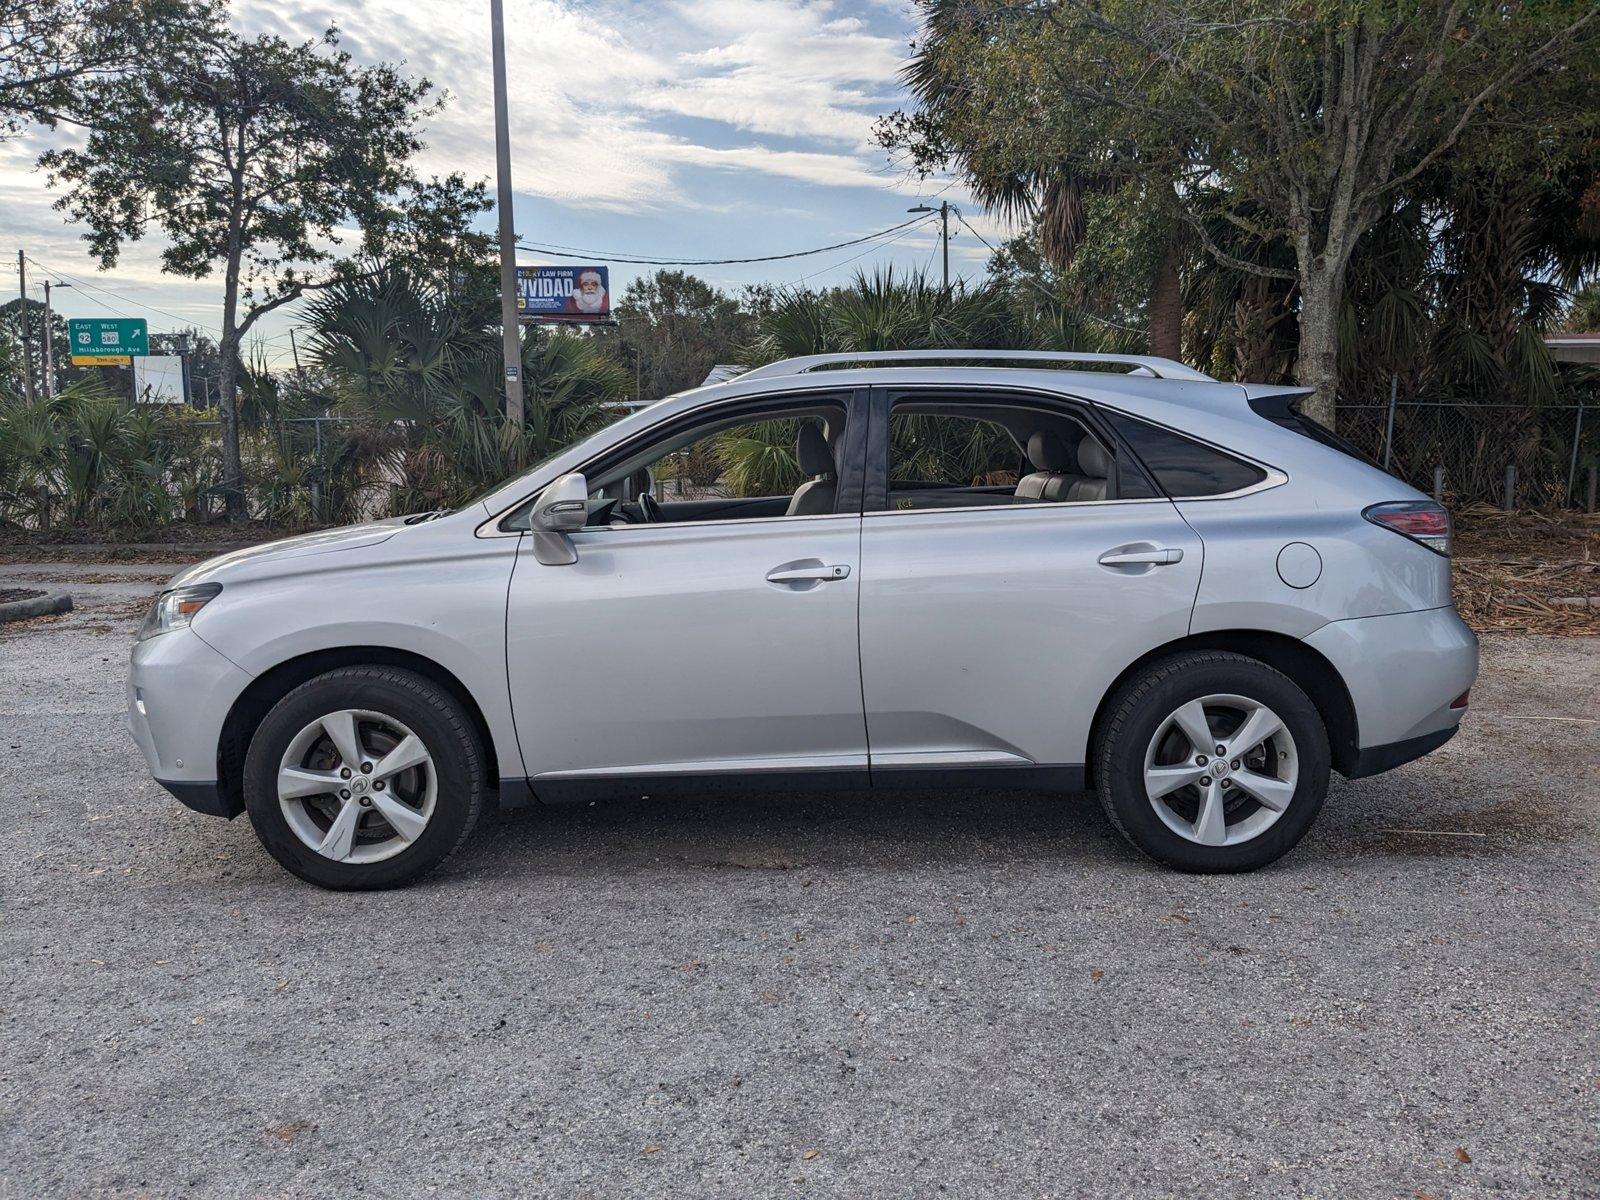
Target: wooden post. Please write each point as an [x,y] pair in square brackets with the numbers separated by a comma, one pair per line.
[1511,487]
[1591,488]
[1438,483]
[27,344]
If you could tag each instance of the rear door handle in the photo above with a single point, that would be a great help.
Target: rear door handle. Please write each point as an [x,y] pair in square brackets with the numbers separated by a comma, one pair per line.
[1159,557]
[823,572]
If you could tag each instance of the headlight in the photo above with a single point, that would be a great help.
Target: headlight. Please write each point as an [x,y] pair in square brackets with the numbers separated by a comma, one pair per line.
[176,607]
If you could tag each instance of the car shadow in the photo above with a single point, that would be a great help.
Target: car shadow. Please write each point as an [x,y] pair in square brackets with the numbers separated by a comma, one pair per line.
[787,831]
[1418,811]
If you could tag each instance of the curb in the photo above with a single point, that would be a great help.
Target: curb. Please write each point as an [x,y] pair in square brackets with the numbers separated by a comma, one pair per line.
[36,606]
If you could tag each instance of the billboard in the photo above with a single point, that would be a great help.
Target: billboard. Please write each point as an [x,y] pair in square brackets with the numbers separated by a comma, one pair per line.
[564,294]
[107,342]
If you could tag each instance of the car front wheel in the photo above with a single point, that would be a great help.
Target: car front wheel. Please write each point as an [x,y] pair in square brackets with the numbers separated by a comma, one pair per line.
[365,777]
[1212,762]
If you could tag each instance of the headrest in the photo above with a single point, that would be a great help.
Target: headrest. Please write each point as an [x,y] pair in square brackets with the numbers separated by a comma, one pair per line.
[1093,460]
[811,449]
[1047,452]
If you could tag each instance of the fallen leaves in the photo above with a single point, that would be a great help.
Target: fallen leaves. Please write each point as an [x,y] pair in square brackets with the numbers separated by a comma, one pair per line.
[1508,567]
[1462,1155]
[810,1154]
[287,1132]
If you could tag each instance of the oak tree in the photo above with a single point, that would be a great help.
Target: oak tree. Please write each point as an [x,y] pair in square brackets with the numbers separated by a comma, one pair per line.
[1308,118]
[252,156]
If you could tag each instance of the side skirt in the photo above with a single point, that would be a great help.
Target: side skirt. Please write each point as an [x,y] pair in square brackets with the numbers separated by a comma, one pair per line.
[1054,777]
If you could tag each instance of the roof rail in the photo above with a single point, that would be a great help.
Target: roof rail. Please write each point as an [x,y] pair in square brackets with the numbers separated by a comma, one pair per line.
[1161,368]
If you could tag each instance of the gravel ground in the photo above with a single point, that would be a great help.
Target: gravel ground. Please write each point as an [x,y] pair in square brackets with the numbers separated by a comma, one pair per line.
[970,994]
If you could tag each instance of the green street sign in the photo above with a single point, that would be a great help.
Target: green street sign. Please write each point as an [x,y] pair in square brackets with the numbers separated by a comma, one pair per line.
[108,341]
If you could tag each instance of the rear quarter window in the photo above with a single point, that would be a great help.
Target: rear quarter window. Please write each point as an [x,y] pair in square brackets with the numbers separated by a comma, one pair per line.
[1286,412]
[1184,468]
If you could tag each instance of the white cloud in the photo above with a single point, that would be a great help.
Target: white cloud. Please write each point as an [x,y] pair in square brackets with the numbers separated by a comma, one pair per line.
[617,106]
[589,88]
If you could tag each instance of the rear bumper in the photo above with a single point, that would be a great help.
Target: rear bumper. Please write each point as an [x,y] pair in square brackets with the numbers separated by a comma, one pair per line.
[1402,671]
[1374,760]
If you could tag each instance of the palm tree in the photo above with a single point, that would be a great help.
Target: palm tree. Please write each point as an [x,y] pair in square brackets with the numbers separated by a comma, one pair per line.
[418,371]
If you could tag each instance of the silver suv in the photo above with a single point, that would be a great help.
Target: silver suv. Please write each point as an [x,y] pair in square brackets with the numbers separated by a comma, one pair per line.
[865,570]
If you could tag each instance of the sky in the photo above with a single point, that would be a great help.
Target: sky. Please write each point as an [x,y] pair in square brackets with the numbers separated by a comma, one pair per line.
[688,129]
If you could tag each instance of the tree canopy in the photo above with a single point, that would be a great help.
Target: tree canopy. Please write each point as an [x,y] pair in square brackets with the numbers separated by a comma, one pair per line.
[254,155]
[1297,124]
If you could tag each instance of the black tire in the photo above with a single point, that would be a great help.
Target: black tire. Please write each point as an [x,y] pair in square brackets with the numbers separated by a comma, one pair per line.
[423,707]
[1135,715]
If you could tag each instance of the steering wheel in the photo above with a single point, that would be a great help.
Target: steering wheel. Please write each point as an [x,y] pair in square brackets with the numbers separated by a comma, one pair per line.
[649,509]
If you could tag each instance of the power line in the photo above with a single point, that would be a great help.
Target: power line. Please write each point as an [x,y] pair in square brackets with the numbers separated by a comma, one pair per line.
[93,287]
[912,228]
[189,321]
[1041,289]
[653,261]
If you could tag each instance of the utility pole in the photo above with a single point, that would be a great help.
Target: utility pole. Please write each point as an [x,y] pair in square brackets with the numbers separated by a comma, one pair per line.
[944,222]
[49,339]
[49,347]
[27,350]
[510,331]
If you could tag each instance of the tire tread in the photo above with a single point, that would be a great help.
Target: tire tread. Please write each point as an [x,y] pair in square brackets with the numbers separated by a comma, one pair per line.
[430,695]
[1127,702]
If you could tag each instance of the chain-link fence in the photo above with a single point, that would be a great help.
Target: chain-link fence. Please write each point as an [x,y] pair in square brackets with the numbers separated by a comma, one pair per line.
[1508,455]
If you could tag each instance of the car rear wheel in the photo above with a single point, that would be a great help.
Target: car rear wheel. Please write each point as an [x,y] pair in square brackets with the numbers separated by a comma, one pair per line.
[1212,761]
[366,777]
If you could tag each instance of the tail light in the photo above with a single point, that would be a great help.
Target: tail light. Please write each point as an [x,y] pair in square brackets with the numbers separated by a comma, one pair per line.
[1420,520]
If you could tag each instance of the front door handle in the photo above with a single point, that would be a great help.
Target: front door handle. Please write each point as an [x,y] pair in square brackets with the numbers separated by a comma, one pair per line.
[1154,557]
[822,572]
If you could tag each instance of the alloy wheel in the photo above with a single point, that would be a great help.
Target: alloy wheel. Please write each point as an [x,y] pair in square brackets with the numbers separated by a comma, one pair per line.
[1221,770]
[357,786]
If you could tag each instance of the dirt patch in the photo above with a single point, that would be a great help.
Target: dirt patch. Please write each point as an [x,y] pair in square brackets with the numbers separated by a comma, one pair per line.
[89,577]
[7,595]
[1509,567]
[1511,824]
[123,608]
[109,554]
[177,532]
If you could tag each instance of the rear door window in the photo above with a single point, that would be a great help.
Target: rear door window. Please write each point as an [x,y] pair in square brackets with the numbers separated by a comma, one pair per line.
[975,450]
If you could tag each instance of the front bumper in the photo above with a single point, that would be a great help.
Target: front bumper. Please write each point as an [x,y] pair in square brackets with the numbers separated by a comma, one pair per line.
[1403,672]
[179,693]
[208,798]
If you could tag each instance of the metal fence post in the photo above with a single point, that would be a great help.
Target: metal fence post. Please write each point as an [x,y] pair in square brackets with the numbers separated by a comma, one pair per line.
[1572,467]
[1511,487]
[1388,432]
[1438,483]
[316,478]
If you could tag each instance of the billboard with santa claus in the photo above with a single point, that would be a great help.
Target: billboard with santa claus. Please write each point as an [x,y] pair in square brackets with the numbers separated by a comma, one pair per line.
[563,294]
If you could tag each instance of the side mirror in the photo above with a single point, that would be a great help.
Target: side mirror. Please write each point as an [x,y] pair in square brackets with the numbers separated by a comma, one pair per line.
[562,509]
